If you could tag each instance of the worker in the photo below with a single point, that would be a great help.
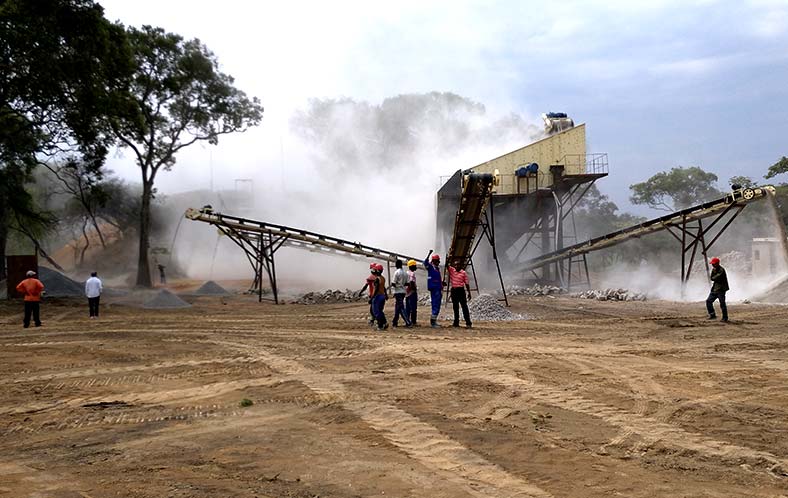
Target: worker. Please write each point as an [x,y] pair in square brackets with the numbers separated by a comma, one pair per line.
[31,288]
[370,284]
[459,284]
[411,293]
[434,285]
[162,277]
[379,298]
[719,287]
[93,288]
[398,283]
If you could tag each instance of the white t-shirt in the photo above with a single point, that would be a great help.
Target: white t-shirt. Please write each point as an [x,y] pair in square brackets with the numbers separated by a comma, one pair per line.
[399,281]
[93,287]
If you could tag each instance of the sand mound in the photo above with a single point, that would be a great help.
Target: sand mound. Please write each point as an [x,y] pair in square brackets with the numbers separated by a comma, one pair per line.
[211,288]
[58,285]
[778,293]
[164,299]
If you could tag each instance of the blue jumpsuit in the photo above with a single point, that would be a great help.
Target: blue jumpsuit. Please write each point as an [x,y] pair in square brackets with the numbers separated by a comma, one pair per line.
[435,286]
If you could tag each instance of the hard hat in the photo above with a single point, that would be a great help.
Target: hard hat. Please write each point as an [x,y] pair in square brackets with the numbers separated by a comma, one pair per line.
[31,273]
[372,266]
[436,257]
[412,262]
[378,267]
[715,261]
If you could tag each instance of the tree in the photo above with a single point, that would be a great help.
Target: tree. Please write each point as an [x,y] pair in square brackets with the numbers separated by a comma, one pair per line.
[743,181]
[61,68]
[676,189]
[778,168]
[178,97]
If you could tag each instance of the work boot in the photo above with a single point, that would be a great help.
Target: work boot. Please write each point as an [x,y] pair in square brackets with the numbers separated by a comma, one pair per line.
[468,326]
[724,319]
[434,323]
[712,317]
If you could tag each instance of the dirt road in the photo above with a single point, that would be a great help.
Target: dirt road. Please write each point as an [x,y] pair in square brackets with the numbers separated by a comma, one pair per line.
[589,399]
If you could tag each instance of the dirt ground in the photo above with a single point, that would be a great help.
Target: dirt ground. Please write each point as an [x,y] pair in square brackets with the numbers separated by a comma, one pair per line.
[590,399]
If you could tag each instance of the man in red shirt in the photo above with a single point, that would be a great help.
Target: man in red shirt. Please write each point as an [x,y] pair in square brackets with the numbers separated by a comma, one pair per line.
[31,288]
[459,284]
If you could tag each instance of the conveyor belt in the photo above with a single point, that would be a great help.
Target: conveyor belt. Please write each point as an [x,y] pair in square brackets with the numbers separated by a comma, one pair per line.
[476,192]
[739,197]
[294,237]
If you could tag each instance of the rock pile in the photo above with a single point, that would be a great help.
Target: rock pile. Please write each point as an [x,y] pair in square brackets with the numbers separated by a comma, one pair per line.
[58,285]
[164,299]
[610,295]
[331,297]
[487,308]
[534,290]
[211,288]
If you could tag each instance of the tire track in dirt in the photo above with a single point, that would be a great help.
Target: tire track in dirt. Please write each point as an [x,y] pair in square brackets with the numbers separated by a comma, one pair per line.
[422,441]
[647,428]
[92,372]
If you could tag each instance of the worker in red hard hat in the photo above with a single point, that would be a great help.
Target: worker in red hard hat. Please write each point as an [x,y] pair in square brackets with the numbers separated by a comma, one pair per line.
[719,287]
[370,284]
[432,264]
[376,283]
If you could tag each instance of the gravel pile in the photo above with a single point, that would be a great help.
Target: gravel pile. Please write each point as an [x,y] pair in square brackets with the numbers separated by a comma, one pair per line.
[331,297]
[610,295]
[534,290]
[486,308]
[164,299]
[211,288]
[58,285]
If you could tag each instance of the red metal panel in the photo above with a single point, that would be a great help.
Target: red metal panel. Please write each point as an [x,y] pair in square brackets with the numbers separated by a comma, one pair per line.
[17,267]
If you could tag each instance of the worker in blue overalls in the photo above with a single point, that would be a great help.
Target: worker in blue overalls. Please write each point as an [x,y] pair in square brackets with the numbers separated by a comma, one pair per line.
[434,285]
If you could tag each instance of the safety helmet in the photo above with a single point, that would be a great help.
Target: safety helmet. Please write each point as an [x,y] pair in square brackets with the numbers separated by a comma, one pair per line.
[378,267]
[436,257]
[30,273]
[372,266]
[412,262]
[715,261]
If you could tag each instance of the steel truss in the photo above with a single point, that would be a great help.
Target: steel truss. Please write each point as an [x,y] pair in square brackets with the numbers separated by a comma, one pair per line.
[260,241]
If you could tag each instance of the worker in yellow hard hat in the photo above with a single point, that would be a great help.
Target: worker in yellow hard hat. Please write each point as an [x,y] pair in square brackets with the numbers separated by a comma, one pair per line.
[411,295]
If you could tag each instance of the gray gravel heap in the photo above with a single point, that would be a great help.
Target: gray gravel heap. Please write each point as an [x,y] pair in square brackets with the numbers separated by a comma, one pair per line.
[610,295]
[211,288]
[58,285]
[164,299]
[487,308]
[534,290]
[331,297]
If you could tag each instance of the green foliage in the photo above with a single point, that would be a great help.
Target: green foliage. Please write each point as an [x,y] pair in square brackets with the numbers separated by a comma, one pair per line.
[177,97]
[778,168]
[676,189]
[744,181]
[62,65]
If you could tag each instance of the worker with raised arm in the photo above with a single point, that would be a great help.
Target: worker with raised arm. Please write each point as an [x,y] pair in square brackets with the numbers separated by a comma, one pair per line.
[719,287]
[434,285]
[411,293]
[370,284]
[459,285]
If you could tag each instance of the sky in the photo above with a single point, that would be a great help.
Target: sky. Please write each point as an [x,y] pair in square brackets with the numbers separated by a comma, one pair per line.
[659,84]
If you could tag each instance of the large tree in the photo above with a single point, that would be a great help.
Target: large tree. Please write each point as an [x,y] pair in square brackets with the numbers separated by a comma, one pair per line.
[62,68]
[676,189]
[178,97]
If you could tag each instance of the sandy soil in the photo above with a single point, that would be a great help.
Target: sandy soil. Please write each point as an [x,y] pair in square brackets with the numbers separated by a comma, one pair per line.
[591,399]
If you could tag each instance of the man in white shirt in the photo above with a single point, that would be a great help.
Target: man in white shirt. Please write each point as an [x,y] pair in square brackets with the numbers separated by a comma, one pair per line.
[93,289]
[398,283]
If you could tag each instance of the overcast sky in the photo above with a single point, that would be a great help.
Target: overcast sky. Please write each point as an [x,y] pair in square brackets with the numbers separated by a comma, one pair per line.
[659,83]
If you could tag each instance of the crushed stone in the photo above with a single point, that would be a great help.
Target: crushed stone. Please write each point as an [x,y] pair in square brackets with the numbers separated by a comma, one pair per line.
[58,285]
[486,308]
[211,288]
[610,295]
[164,299]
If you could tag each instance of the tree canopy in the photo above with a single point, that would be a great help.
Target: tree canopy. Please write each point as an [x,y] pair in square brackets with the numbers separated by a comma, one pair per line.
[62,69]
[778,168]
[177,97]
[676,189]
